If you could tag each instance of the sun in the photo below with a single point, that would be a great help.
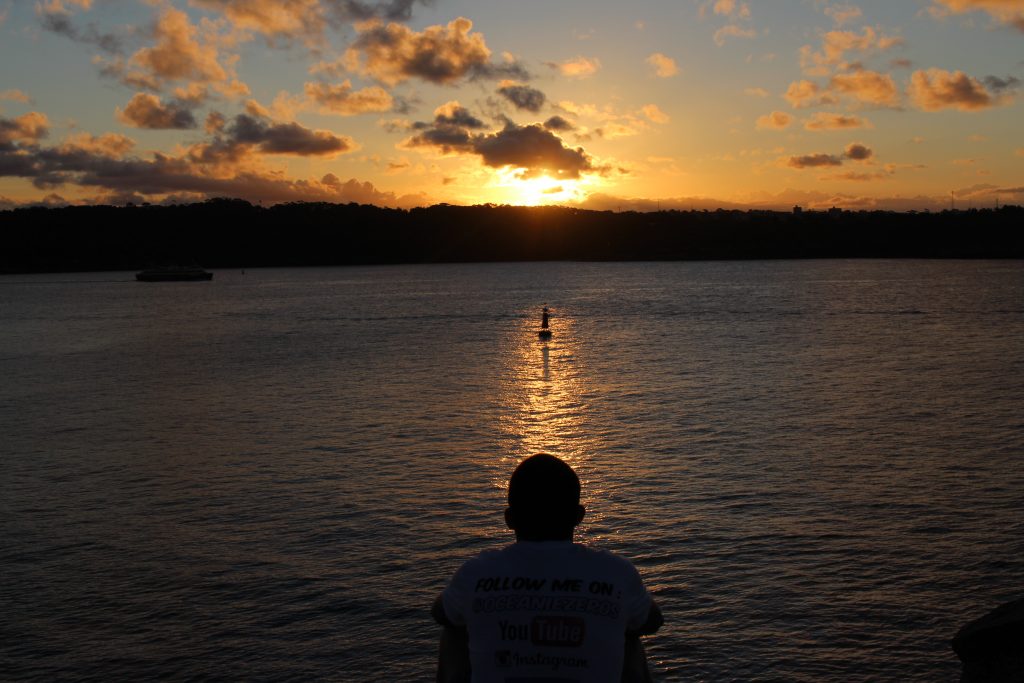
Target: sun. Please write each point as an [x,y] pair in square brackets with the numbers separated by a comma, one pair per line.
[509,187]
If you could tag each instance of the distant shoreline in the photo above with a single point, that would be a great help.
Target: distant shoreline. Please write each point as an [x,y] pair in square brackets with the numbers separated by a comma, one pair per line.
[225,233]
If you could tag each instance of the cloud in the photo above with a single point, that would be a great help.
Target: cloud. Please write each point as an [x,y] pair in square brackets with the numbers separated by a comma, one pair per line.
[532,150]
[664,66]
[756,92]
[181,54]
[15,95]
[731,8]
[227,164]
[306,20]
[857,152]
[802,94]
[178,55]
[843,14]
[147,111]
[654,113]
[523,96]
[869,87]
[110,145]
[777,120]
[1009,12]
[813,161]
[998,85]
[449,132]
[580,67]
[937,89]
[820,121]
[561,125]
[273,18]
[56,17]
[835,45]
[455,115]
[342,99]
[285,138]
[28,128]
[732,31]
[858,176]
[443,55]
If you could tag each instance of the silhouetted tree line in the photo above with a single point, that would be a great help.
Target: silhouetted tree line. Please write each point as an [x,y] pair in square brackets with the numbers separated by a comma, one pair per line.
[227,233]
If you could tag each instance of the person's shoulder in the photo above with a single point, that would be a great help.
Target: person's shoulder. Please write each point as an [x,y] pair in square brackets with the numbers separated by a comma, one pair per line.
[486,557]
[603,556]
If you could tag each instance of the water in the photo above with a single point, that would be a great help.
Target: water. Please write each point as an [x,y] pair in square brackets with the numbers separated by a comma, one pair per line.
[817,466]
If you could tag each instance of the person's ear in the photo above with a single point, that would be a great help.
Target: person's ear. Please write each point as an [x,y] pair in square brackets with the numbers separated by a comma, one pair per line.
[581,512]
[510,519]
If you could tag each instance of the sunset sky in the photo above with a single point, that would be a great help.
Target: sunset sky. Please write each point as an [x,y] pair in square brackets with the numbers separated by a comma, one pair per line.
[631,105]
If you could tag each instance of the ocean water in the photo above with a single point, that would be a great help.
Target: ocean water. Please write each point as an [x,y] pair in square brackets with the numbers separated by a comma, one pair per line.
[818,467]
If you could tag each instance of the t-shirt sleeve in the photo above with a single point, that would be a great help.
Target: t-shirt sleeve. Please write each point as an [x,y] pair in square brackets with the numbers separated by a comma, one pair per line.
[636,600]
[456,596]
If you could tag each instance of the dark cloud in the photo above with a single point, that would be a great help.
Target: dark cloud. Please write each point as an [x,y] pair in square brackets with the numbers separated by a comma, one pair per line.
[532,148]
[284,138]
[449,131]
[196,174]
[937,89]
[453,114]
[58,20]
[814,161]
[147,111]
[857,152]
[523,97]
[854,151]
[392,10]
[559,124]
[998,85]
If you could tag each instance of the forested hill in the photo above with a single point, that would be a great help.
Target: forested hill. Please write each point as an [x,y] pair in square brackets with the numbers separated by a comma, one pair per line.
[226,233]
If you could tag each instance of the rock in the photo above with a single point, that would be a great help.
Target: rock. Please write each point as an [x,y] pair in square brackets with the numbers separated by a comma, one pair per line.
[992,647]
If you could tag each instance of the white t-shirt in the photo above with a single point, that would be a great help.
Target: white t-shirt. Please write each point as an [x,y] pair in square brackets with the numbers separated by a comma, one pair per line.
[551,611]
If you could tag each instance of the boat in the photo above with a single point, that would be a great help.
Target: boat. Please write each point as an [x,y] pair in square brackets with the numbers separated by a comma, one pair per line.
[174,274]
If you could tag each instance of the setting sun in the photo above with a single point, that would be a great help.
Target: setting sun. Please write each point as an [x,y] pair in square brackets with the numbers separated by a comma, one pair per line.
[508,188]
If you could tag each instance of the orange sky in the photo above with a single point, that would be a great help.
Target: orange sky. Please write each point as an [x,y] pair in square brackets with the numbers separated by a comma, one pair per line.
[694,103]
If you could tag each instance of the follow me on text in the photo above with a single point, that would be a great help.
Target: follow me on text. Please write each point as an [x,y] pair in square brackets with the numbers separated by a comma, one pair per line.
[520,583]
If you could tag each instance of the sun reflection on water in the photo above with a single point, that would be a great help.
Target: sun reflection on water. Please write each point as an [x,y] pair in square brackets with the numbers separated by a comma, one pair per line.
[545,399]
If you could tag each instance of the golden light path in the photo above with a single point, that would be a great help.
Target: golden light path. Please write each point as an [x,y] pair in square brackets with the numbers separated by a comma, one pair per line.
[544,401]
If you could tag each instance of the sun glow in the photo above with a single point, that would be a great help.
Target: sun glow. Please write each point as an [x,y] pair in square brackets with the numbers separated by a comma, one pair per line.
[509,187]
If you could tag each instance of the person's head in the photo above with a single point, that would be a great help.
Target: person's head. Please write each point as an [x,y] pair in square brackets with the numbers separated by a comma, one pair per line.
[543,500]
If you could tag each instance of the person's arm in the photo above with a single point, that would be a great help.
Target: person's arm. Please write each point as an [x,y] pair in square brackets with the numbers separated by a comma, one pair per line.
[453,656]
[654,621]
[634,662]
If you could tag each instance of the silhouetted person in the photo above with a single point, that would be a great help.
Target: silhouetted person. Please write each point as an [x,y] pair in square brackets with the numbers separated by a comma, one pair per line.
[544,318]
[545,608]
